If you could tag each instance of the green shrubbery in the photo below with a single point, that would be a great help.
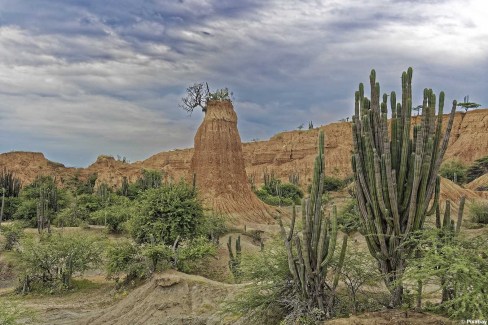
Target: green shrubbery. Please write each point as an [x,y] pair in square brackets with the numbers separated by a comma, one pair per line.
[454,170]
[12,234]
[477,169]
[273,192]
[478,212]
[266,300]
[458,265]
[115,215]
[165,214]
[48,263]
[134,262]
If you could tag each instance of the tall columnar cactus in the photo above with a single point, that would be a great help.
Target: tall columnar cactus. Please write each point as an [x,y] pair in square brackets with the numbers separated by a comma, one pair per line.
[235,260]
[310,255]
[396,174]
[47,204]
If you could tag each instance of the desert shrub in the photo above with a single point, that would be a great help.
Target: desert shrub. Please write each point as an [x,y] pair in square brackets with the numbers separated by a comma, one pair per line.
[267,297]
[291,191]
[477,169]
[166,213]
[190,253]
[157,254]
[358,272]
[478,212]
[12,233]
[267,198]
[332,184]
[126,258]
[454,170]
[48,262]
[459,266]
[136,262]
[348,218]
[212,226]
[114,215]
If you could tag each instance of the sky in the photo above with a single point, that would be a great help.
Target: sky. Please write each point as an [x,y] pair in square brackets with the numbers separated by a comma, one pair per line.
[81,78]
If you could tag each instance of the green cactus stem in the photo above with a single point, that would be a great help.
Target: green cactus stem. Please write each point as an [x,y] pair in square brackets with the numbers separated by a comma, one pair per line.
[396,174]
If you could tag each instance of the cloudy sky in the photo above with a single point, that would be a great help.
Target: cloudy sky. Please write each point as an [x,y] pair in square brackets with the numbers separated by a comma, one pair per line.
[81,78]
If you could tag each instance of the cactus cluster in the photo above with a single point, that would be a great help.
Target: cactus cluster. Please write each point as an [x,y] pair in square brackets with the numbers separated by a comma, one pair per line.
[9,183]
[310,255]
[294,178]
[396,174]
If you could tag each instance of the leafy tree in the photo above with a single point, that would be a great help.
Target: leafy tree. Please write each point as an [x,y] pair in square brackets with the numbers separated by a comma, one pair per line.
[199,94]
[466,104]
[166,213]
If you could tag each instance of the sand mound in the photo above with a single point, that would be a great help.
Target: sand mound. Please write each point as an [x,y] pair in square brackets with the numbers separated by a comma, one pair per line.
[453,192]
[168,298]
[218,165]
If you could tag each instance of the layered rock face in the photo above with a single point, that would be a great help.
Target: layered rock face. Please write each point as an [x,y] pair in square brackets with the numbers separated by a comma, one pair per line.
[219,169]
[291,152]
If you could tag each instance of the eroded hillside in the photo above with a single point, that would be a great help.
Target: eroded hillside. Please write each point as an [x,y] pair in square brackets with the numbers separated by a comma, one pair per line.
[283,154]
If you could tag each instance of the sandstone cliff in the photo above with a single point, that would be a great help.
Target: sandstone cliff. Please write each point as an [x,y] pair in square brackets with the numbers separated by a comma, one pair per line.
[285,153]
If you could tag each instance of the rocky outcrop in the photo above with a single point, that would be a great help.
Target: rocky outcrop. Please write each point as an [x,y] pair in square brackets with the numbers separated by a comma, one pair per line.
[218,166]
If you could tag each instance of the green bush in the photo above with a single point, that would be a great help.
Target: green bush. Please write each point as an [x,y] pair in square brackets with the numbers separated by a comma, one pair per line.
[458,266]
[333,184]
[114,215]
[454,170]
[49,262]
[137,262]
[166,213]
[478,212]
[477,169]
[267,198]
[30,196]
[264,300]
[212,226]
[292,192]
[348,218]
[12,233]
[125,258]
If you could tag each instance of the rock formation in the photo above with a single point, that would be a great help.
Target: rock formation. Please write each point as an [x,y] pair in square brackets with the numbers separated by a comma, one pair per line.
[283,154]
[218,166]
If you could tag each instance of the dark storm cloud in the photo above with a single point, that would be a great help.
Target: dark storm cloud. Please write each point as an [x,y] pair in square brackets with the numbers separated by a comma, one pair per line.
[81,78]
